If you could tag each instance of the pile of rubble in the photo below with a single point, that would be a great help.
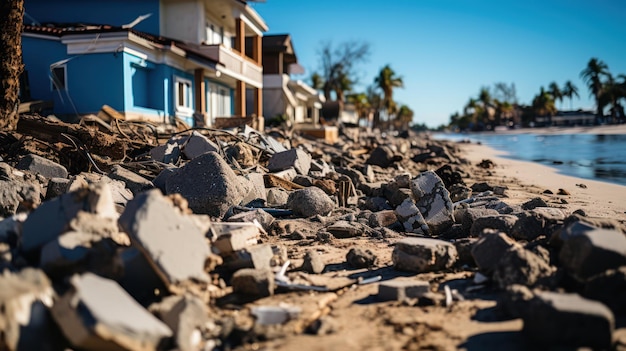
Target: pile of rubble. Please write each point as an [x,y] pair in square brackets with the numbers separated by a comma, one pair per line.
[186,244]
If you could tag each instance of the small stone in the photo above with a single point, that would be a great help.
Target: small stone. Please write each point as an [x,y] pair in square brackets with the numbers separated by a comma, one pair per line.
[423,255]
[277,197]
[481,187]
[313,263]
[501,222]
[533,203]
[359,258]
[400,290]
[382,218]
[563,192]
[255,282]
[344,229]
[467,216]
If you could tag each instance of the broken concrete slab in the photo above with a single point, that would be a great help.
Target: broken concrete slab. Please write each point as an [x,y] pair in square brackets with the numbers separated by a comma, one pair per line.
[411,218]
[187,316]
[520,266]
[138,277]
[467,216]
[209,185]
[171,241]
[400,290]
[39,165]
[500,222]
[588,251]
[134,182]
[383,156]
[310,202]
[423,255]
[108,318]
[537,222]
[568,319]
[231,237]
[256,256]
[263,218]
[433,200]
[18,195]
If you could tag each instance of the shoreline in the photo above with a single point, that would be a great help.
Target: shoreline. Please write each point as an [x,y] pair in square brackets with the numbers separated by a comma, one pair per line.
[614,129]
[596,198]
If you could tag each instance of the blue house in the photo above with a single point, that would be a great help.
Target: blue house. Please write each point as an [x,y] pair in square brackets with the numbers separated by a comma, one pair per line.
[152,60]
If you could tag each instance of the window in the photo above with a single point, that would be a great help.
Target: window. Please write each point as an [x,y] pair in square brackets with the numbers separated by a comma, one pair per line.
[58,77]
[218,101]
[214,34]
[183,96]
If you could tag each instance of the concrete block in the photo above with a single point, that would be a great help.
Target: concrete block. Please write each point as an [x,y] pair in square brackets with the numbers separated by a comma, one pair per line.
[295,158]
[500,222]
[257,256]
[400,290]
[433,200]
[187,316]
[108,318]
[423,255]
[490,248]
[467,216]
[171,241]
[556,319]
[209,185]
[520,266]
[263,218]
[232,237]
[40,165]
[254,282]
[411,218]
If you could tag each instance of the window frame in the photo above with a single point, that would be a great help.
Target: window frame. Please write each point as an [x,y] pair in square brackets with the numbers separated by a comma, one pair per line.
[53,86]
[187,108]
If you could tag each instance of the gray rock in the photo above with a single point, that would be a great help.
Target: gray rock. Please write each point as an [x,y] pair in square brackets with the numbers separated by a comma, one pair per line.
[567,319]
[170,240]
[295,158]
[256,256]
[433,200]
[167,153]
[382,218]
[533,203]
[26,324]
[309,202]
[360,258]
[197,145]
[588,251]
[160,180]
[383,156]
[537,222]
[397,196]
[345,229]
[231,237]
[400,290]
[467,216]
[108,318]
[490,248]
[254,282]
[134,182]
[17,195]
[313,263]
[423,255]
[40,165]
[464,250]
[57,187]
[520,266]
[208,184]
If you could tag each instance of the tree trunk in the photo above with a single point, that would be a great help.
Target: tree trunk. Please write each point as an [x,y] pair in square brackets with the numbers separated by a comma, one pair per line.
[11,13]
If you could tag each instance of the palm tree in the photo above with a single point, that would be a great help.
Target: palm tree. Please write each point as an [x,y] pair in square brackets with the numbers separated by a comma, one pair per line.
[592,75]
[386,81]
[569,91]
[543,105]
[404,117]
[375,101]
[486,104]
[11,66]
[361,105]
[555,91]
[317,82]
[612,94]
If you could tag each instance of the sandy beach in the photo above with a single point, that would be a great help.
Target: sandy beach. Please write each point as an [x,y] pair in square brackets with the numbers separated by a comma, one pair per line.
[596,198]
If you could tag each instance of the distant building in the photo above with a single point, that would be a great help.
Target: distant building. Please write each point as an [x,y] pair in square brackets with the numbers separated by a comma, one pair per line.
[152,60]
[283,96]
[568,118]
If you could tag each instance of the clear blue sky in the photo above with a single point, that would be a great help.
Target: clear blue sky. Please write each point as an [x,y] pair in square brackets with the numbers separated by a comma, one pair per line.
[446,50]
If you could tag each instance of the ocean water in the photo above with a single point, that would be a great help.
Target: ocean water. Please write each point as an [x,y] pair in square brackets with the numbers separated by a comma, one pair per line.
[589,156]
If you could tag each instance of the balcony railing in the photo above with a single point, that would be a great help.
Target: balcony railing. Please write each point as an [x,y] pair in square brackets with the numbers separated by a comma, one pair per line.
[236,63]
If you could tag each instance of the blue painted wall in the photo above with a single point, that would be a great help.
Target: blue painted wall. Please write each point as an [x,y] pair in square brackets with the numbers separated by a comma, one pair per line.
[112,12]
[38,54]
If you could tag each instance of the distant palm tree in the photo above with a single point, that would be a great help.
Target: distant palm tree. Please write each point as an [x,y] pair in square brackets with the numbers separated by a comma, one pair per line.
[387,80]
[486,103]
[11,66]
[404,117]
[612,93]
[376,103]
[543,105]
[592,75]
[555,91]
[317,82]
[569,91]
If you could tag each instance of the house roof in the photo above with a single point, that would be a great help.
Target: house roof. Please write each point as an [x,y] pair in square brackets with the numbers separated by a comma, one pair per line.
[65,29]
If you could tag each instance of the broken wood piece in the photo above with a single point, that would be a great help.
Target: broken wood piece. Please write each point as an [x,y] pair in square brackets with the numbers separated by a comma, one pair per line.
[272,181]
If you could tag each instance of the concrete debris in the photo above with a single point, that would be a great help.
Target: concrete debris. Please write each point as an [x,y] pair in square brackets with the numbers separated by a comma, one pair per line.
[108,318]
[208,239]
[170,240]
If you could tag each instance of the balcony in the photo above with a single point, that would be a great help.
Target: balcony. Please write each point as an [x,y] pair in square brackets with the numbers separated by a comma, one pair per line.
[236,66]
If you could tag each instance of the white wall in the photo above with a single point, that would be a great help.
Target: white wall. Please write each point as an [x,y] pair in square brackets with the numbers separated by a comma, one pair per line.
[184,20]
